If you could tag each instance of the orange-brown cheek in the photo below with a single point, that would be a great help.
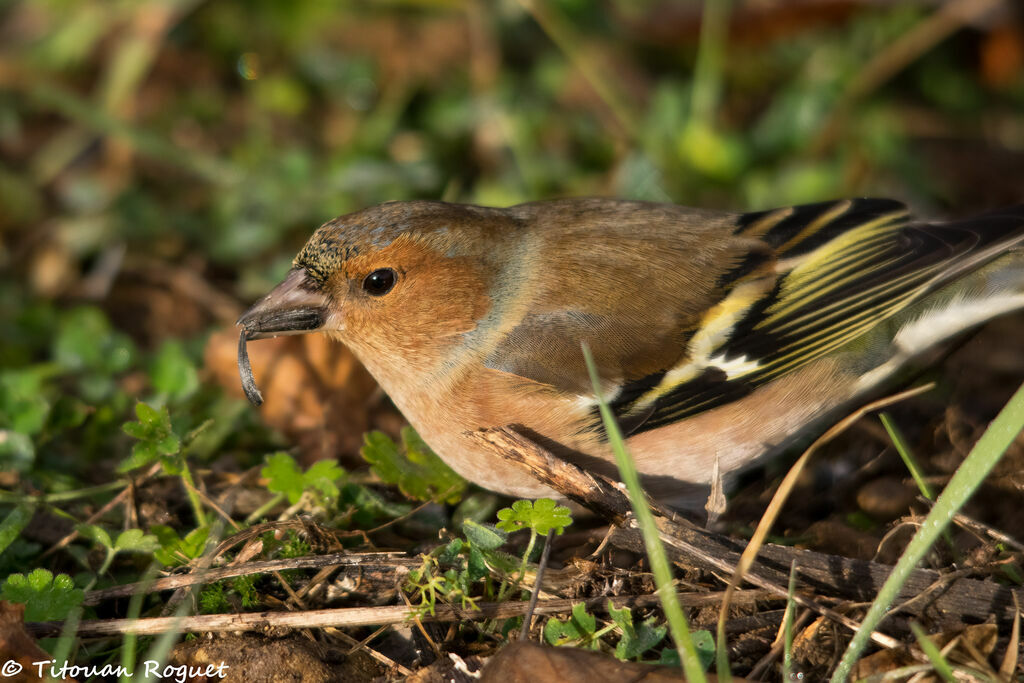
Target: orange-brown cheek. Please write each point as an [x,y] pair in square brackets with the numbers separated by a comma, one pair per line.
[422,318]
[448,298]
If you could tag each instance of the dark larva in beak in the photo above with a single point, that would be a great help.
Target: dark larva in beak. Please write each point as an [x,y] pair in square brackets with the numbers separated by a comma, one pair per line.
[245,371]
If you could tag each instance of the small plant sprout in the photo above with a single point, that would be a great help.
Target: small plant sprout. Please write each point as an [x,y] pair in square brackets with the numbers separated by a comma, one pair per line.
[541,517]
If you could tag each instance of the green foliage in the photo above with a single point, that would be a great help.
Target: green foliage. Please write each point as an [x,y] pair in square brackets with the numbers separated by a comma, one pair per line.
[46,597]
[213,599]
[416,470]
[17,452]
[432,581]
[129,540]
[22,405]
[364,507]
[634,641]
[245,588]
[13,523]
[174,551]
[286,477]
[484,536]
[703,643]
[454,572]
[155,437]
[54,368]
[219,596]
[173,373]
[294,546]
[85,341]
[579,630]
[540,516]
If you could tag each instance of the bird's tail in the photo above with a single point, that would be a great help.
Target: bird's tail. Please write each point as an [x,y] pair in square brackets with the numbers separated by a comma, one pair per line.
[993,236]
[985,282]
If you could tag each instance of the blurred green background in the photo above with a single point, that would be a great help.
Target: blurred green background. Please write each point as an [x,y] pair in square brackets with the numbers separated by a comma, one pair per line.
[161,161]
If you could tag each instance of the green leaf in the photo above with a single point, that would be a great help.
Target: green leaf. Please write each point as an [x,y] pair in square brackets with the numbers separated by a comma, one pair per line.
[135,541]
[173,373]
[635,640]
[716,154]
[97,534]
[143,453]
[476,565]
[156,437]
[13,524]
[542,516]
[418,473]
[67,412]
[579,628]
[17,452]
[175,551]
[322,476]
[86,341]
[80,339]
[168,445]
[23,407]
[135,430]
[365,506]
[704,643]
[284,476]
[46,597]
[483,536]
[451,551]
[148,415]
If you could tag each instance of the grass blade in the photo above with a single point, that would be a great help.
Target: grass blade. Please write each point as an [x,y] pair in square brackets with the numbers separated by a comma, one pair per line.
[979,462]
[660,567]
[908,457]
[942,667]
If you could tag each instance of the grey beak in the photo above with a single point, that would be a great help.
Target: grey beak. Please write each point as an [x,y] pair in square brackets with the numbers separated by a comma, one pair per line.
[295,306]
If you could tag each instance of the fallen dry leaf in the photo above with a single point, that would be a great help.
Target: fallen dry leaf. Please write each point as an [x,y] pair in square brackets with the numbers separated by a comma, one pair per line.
[17,648]
[525,662]
[974,645]
[314,389]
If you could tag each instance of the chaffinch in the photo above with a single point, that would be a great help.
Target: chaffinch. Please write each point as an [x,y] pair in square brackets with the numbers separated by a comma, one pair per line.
[716,335]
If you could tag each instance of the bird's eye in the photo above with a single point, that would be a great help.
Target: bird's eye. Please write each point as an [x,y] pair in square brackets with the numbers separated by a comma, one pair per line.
[379,282]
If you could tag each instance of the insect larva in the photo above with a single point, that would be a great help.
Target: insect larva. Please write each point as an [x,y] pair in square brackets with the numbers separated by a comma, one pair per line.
[245,371]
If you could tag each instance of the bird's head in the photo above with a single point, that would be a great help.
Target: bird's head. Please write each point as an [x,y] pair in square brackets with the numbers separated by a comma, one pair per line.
[401,284]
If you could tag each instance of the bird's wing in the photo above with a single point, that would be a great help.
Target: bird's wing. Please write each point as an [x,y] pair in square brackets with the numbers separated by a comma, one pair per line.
[808,280]
[841,268]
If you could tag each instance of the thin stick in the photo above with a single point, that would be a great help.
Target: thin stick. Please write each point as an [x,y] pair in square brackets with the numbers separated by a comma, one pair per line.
[528,618]
[362,645]
[387,560]
[368,616]
[110,505]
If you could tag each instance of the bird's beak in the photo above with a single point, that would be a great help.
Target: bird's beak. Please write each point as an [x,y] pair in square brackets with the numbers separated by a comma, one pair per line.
[295,306]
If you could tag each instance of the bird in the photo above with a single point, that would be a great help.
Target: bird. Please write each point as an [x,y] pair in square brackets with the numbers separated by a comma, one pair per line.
[719,337]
